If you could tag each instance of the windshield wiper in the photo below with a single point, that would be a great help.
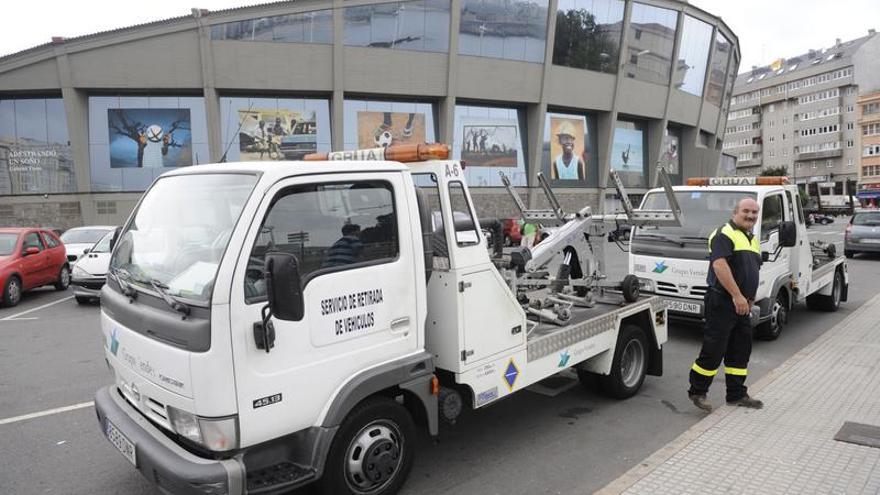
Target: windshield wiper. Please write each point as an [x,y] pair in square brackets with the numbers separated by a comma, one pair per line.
[171,301]
[660,237]
[122,278]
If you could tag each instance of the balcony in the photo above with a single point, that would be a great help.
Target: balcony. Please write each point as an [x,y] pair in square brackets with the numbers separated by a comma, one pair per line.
[818,155]
[754,162]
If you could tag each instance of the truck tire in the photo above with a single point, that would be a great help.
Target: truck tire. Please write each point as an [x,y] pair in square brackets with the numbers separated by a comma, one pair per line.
[629,365]
[630,287]
[772,328]
[372,452]
[829,303]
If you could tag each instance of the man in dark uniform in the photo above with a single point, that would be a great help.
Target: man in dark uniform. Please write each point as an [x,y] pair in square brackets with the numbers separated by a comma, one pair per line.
[734,263]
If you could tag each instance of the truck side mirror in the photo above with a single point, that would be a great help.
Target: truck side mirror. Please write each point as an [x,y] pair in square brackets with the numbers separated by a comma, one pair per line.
[787,234]
[283,286]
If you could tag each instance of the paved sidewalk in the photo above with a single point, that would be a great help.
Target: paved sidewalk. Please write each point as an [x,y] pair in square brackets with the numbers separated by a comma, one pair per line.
[789,446]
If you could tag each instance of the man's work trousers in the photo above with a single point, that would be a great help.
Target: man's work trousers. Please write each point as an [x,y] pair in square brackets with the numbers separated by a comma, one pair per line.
[727,336]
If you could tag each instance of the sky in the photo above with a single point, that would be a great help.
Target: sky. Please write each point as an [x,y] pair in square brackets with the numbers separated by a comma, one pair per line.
[767,29]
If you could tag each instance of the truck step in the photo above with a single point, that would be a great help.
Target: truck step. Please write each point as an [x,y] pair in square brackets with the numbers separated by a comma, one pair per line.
[285,474]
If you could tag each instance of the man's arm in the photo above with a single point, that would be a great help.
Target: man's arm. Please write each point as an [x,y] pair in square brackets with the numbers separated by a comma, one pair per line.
[725,276]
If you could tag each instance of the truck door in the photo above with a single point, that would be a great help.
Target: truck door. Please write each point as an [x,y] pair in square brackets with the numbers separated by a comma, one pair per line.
[801,254]
[773,212]
[353,238]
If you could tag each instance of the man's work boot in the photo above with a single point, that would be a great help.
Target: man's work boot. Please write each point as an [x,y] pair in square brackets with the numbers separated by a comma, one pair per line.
[701,402]
[746,401]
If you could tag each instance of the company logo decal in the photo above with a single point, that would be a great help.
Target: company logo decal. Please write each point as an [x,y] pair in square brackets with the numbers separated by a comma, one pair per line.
[114,342]
[510,374]
[563,358]
[660,266]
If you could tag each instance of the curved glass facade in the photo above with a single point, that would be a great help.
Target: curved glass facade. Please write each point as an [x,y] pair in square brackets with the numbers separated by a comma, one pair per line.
[307,27]
[693,55]
[510,29]
[651,38]
[419,25]
[588,34]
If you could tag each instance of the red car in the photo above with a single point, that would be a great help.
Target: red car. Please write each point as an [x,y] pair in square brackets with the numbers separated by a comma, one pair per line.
[30,258]
[512,234]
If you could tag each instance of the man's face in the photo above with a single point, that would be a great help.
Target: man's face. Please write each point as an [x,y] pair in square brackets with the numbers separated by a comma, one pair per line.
[746,214]
[567,143]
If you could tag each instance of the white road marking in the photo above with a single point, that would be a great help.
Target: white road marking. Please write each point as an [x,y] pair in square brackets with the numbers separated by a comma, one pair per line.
[47,412]
[12,317]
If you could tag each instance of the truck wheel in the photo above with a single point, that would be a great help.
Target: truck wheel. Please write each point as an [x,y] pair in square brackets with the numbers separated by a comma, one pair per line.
[828,303]
[372,452]
[772,328]
[629,365]
[630,287]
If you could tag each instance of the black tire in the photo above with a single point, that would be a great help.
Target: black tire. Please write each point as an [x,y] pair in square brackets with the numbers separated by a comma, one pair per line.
[377,435]
[829,303]
[629,366]
[63,281]
[12,292]
[83,299]
[848,253]
[772,328]
[630,288]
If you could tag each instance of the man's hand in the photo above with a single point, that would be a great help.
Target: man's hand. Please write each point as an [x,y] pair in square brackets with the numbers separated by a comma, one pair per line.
[742,305]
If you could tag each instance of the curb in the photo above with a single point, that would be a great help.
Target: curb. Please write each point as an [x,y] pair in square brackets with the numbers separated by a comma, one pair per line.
[648,465]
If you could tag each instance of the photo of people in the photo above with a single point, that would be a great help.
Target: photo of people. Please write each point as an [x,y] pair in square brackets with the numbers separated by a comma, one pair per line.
[670,159]
[567,149]
[490,145]
[276,134]
[382,129]
[149,137]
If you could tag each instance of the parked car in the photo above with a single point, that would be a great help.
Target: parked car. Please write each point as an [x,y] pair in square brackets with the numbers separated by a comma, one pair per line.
[862,234]
[512,232]
[30,258]
[78,239]
[822,218]
[90,273]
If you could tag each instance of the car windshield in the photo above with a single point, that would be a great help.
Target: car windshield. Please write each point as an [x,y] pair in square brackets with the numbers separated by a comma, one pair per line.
[82,236]
[7,244]
[872,218]
[701,213]
[179,232]
[103,246]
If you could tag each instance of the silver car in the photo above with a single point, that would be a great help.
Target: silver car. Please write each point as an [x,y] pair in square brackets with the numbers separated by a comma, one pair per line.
[862,233]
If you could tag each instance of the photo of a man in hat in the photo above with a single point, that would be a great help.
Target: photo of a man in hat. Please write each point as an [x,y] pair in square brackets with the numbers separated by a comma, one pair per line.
[567,149]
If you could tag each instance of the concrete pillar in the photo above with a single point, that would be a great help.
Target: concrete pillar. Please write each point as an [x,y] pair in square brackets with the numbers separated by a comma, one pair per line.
[212,100]
[446,107]
[76,106]
[337,102]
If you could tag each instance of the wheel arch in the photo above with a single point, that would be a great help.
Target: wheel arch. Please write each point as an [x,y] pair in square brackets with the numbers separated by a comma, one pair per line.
[643,320]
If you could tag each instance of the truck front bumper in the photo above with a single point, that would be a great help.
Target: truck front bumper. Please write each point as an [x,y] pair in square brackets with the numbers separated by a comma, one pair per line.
[170,467]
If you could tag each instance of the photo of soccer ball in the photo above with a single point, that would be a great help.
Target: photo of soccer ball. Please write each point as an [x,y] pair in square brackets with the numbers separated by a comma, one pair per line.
[154,133]
[384,139]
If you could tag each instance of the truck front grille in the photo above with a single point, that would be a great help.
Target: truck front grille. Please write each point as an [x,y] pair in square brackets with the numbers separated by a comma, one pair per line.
[666,288]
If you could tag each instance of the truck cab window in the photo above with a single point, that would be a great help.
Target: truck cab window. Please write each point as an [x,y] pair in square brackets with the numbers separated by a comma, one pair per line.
[466,232]
[428,184]
[771,215]
[329,227]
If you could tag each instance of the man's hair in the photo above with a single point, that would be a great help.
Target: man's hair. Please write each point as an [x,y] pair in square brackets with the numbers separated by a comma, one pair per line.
[350,228]
[736,206]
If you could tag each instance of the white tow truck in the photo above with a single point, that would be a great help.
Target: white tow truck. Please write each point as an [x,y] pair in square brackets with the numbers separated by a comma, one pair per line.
[672,262]
[273,325]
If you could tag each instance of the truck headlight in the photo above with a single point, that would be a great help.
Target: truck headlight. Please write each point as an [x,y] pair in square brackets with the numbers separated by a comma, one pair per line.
[78,272]
[216,434]
[647,284]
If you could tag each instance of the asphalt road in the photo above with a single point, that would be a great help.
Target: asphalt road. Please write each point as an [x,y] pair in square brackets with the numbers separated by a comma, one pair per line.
[531,443]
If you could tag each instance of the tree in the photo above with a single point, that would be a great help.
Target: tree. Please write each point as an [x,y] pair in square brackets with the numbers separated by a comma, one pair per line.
[582,43]
[780,171]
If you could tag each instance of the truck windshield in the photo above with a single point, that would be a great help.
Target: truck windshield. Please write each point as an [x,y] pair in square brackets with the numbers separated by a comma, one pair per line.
[180,231]
[701,213]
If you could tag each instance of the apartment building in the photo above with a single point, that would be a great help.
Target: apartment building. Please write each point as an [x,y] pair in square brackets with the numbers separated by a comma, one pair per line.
[869,166]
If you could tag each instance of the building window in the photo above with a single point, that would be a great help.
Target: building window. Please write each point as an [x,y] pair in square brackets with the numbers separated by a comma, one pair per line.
[35,155]
[371,123]
[134,139]
[849,108]
[849,126]
[693,53]
[419,25]
[307,27]
[872,129]
[720,56]
[849,143]
[870,108]
[654,47]
[514,30]
[490,140]
[588,35]
[273,128]
[849,162]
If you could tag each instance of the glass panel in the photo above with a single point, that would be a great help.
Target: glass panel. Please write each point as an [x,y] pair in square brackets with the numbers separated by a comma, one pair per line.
[569,157]
[369,124]
[32,240]
[628,155]
[327,226]
[720,57]
[670,159]
[651,37]
[308,27]
[489,141]
[588,34]
[274,128]
[771,215]
[427,184]
[466,233]
[690,71]
[420,25]
[509,29]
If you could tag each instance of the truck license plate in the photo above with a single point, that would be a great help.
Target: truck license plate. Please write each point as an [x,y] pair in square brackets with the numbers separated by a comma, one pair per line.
[685,307]
[124,445]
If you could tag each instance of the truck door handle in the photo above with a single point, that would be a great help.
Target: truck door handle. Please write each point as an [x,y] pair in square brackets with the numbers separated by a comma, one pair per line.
[400,325]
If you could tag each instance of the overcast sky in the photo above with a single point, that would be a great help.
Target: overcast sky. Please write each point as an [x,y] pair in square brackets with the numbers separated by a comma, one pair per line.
[767,29]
